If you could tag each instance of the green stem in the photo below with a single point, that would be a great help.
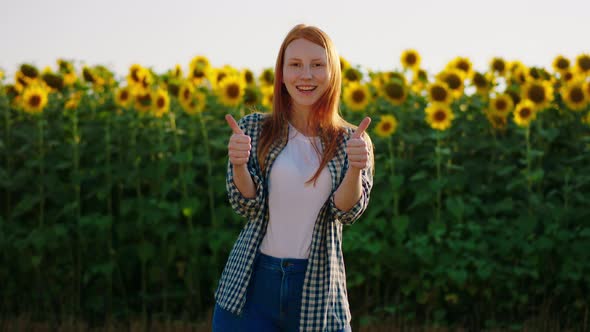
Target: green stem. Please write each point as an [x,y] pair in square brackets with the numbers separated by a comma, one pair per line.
[161,150]
[8,160]
[438,191]
[182,166]
[394,188]
[209,170]
[137,163]
[194,298]
[76,173]
[110,215]
[528,158]
[41,171]
[122,163]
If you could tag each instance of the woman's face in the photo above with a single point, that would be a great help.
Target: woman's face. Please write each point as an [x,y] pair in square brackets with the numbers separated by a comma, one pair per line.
[305,73]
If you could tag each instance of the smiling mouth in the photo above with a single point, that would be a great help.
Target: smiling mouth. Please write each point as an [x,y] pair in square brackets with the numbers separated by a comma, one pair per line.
[306,88]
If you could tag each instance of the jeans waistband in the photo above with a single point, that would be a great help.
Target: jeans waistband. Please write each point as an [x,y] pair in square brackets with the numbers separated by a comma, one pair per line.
[281,264]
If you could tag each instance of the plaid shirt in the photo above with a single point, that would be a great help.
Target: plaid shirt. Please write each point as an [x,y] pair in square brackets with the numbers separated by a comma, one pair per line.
[324,302]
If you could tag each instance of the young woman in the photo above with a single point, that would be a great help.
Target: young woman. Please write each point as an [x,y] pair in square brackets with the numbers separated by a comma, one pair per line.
[297,175]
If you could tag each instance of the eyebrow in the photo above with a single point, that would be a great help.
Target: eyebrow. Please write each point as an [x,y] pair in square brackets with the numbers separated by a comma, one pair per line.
[298,59]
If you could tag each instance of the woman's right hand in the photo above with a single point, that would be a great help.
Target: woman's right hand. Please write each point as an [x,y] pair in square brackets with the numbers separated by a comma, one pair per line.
[239,144]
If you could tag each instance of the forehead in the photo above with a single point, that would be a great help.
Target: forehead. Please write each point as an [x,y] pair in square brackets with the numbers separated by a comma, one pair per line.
[304,49]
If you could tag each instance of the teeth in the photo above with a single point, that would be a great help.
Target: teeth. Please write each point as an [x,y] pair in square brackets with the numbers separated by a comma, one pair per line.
[306,88]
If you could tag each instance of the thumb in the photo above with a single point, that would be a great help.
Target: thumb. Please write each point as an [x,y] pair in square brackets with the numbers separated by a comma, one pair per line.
[233,124]
[362,127]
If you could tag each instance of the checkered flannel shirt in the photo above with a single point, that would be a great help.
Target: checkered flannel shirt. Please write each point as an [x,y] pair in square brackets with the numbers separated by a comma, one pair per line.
[324,302]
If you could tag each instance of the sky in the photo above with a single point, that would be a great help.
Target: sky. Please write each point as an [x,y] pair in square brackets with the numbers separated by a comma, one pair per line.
[247,34]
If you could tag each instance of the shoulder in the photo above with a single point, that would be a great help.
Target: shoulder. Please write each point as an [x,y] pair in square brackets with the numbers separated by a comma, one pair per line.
[252,123]
[253,118]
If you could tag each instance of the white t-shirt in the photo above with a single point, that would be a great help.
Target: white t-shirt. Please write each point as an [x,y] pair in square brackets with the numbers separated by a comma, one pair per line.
[293,204]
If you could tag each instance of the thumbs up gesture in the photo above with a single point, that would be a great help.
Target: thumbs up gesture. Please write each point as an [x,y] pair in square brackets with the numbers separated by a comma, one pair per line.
[357,149]
[239,144]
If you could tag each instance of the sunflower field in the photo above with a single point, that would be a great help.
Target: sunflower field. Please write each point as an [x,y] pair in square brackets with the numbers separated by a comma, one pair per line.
[113,203]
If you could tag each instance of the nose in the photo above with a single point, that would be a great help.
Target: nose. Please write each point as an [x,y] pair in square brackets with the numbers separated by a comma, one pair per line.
[306,73]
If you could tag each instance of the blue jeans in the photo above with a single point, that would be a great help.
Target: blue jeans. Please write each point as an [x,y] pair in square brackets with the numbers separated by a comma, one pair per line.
[273,301]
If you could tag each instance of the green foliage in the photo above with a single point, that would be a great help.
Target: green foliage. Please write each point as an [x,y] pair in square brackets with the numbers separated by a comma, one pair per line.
[108,213]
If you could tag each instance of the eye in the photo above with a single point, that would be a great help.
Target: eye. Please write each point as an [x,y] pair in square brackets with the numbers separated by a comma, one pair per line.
[295,64]
[318,64]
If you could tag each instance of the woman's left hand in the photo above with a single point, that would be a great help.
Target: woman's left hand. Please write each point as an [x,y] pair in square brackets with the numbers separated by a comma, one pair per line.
[357,149]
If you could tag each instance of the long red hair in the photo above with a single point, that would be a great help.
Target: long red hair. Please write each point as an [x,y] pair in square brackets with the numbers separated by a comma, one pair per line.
[325,117]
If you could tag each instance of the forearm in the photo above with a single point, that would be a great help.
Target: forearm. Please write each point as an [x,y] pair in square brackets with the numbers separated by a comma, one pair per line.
[243,181]
[350,190]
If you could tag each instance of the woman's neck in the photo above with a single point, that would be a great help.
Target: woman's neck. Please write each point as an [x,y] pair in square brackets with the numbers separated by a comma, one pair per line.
[299,120]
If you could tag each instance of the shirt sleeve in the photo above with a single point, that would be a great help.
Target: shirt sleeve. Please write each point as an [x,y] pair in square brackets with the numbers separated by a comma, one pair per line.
[355,212]
[246,207]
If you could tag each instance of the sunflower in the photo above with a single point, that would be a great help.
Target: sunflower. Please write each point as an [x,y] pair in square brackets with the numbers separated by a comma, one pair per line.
[53,80]
[230,91]
[198,74]
[561,64]
[513,94]
[1,75]
[501,104]
[389,75]
[386,127]
[356,96]
[192,101]
[538,73]
[123,97]
[567,76]
[344,63]
[73,101]
[498,66]
[583,64]
[419,80]
[139,78]
[439,116]
[267,96]
[438,92]
[161,104]
[267,77]
[574,96]
[498,121]
[454,79]
[520,75]
[351,74]
[410,58]
[196,104]
[540,93]
[34,99]
[177,72]
[143,101]
[481,83]
[135,71]
[200,61]
[217,75]
[514,66]
[173,87]
[10,91]
[29,71]
[66,68]
[462,64]
[394,91]
[524,113]
[21,81]
[185,93]
[586,118]
[248,77]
